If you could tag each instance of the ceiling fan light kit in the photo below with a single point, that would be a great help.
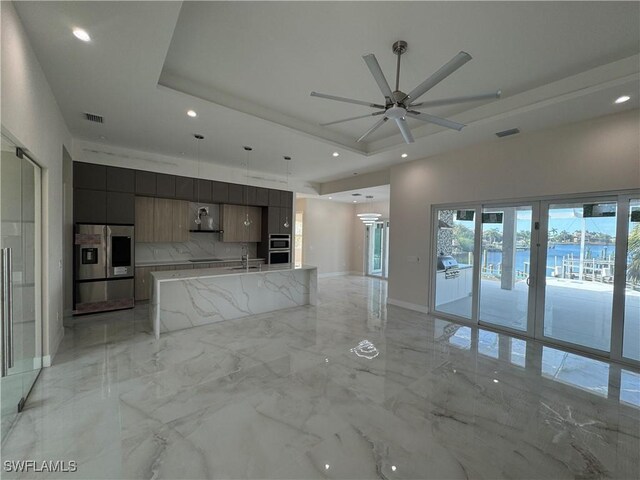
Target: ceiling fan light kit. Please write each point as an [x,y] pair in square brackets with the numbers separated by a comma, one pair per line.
[399,105]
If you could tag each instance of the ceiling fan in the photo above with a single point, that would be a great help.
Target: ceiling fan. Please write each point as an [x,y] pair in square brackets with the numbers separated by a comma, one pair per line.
[399,105]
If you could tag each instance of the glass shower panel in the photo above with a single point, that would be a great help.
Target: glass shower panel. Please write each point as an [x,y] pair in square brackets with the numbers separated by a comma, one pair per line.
[19,240]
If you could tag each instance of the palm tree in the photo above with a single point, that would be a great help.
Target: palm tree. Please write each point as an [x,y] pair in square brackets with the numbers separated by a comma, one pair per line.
[633,271]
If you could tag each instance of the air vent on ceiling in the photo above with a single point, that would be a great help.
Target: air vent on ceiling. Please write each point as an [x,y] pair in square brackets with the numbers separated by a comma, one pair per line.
[92,117]
[356,194]
[506,133]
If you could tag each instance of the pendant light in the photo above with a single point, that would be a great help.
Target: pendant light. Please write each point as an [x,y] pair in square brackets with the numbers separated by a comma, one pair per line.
[369,218]
[199,210]
[247,220]
[287,159]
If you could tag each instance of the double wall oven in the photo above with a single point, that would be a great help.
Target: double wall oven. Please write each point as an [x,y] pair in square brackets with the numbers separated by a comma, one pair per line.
[104,267]
[279,248]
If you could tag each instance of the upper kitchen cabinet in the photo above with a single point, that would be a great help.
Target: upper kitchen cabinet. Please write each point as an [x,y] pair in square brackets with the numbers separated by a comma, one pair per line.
[89,206]
[120,208]
[273,220]
[286,199]
[220,192]
[89,176]
[262,197]
[144,219]
[180,221]
[274,198]
[165,185]
[250,195]
[232,222]
[202,191]
[236,194]
[121,180]
[184,188]
[145,183]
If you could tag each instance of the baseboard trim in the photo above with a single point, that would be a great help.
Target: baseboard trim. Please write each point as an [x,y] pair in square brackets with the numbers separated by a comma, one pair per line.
[409,306]
[46,361]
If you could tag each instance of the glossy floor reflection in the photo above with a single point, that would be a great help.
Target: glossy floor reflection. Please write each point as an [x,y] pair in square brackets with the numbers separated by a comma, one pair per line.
[348,389]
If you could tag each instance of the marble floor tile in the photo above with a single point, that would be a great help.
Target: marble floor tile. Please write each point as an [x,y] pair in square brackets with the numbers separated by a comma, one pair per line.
[349,388]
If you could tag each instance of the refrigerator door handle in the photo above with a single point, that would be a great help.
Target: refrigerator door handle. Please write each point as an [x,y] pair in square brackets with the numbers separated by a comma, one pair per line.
[7,311]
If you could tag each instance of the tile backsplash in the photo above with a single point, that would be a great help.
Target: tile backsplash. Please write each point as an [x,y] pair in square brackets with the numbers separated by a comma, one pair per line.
[200,245]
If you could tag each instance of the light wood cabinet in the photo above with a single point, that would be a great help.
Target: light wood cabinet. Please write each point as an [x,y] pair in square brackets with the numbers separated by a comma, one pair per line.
[180,216]
[232,222]
[161,220]
[143,283]
[144,219]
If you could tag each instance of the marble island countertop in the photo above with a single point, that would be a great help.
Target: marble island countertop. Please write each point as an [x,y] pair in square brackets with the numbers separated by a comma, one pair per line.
[188,298]
[158,263]
[224,271]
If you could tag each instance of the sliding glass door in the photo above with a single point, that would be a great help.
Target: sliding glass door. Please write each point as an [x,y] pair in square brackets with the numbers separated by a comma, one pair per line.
[565,271]
[377,248]
[578,282]
[20,247]
[508,257]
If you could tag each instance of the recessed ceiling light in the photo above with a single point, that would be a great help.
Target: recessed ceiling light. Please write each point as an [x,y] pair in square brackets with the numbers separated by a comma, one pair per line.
[192,113]
[335,154]
[623,98]
[355,201]
[404,155]
[393,468]
[330,198]
[81,34]
[495,380]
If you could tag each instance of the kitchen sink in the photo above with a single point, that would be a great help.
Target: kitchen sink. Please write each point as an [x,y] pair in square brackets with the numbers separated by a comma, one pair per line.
[204,260]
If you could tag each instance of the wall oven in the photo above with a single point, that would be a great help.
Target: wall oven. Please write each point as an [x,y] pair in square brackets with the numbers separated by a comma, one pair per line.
[279,241]
[279,256]
[104,268]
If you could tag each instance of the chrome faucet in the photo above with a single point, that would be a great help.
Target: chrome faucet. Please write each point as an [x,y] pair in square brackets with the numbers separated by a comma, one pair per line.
[245,256]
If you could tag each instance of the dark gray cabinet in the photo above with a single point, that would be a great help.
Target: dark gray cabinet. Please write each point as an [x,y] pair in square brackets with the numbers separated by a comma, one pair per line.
[286,199]
[274,198]
[165,185]
[121,180]
[236,192]
[89,206]
[184,188]
[145,183]
[285,215]
[121,208]
[220,192]
[202,191]
[89,176]
[262,197]
[251,194]
[273,220]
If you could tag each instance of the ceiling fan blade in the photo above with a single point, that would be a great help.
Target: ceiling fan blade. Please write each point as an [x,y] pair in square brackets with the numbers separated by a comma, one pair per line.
[377,125]
[443,122]
[376,71]
[447,69]
[352,118]
[404,130]
[451,101]
[347,100]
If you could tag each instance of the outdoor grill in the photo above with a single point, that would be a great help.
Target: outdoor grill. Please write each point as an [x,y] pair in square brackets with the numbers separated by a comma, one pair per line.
[449,265]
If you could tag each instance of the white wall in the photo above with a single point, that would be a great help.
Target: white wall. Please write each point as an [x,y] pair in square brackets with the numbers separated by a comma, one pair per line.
[596,155]
[327,235]
[32,119]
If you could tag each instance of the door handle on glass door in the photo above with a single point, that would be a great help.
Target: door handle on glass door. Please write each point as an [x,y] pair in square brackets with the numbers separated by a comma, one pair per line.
[7,311]
[528,281]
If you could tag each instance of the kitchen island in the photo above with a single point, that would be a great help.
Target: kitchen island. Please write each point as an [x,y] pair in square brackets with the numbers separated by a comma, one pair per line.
[188,298]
